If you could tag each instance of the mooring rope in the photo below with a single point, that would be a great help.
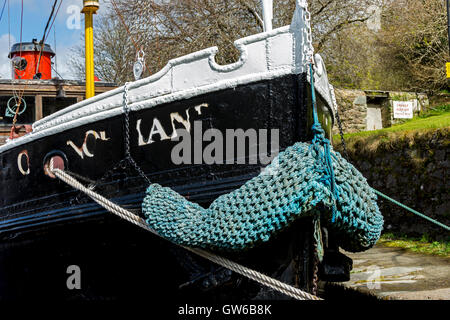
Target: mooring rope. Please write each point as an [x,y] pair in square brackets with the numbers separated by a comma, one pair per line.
[412,210]
[138,221]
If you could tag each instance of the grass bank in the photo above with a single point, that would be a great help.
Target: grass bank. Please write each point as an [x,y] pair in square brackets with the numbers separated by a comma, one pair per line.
[436,120]
[409,162]
[419,245]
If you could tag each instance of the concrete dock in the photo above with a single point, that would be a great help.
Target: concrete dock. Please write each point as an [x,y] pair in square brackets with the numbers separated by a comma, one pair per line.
[392,273]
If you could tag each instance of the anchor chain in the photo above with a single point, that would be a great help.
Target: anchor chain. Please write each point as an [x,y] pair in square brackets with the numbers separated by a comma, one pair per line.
[317,255]
[315,268]
[318,252]
[308,53]
[341,133]
[308,49]
[128,156]
[127,160]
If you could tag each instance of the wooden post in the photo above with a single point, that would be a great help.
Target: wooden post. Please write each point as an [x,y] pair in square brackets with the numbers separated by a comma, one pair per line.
[38,107]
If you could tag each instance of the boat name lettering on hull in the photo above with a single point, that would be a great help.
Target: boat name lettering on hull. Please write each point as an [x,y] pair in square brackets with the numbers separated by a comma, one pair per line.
[24,172]
[158,129]
[84,151]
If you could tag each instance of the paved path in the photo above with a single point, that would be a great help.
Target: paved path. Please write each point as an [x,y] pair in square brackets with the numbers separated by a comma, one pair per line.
[392,273]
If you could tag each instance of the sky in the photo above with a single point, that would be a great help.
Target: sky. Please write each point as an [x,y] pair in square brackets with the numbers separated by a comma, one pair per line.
[69,27]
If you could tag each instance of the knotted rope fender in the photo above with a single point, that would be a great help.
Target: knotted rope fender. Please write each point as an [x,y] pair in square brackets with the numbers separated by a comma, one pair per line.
[301,179]
[290,188]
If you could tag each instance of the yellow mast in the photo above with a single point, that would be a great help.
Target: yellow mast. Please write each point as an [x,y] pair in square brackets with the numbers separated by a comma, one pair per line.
[89,9]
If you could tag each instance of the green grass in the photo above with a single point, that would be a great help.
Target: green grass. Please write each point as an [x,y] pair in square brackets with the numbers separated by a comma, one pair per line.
[423,245]
[435,118]
[436,111]
[445,91]
[428,123]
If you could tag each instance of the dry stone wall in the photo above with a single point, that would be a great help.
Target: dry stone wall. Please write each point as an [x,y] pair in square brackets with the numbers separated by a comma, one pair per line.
[413,168]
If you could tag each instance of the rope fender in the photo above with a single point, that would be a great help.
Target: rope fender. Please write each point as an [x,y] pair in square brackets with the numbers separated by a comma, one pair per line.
[298,181]
[293,186]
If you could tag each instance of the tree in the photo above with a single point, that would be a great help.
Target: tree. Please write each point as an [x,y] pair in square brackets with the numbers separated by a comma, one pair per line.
[114,54]
[409,52]
[415,44]
[169,29]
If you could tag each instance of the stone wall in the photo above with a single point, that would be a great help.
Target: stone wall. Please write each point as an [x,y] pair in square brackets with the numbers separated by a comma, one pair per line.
[352,106]
[414,169]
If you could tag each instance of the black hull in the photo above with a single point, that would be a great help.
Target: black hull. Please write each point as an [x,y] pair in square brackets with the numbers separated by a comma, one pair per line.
[120,262]
[45,226]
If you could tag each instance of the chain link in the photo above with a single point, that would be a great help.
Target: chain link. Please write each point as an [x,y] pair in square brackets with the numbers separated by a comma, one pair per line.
[126,161]
[126,109]
[128,156]
[341,133]
[308,54]
[308,49]
[318,253]
[315,279]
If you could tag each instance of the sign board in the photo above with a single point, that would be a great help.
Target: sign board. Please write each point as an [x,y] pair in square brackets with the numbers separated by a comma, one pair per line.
[448,69]
[403,109]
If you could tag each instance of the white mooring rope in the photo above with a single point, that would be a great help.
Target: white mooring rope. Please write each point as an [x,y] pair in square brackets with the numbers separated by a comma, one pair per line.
[128,216]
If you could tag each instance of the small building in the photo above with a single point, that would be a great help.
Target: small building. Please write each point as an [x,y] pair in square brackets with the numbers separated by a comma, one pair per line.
[40,99]
[373,109]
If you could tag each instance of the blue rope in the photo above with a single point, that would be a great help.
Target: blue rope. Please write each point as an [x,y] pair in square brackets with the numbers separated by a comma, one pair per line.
[306,177]
[412,210]
[320,143]
[320,140]
[291,188]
